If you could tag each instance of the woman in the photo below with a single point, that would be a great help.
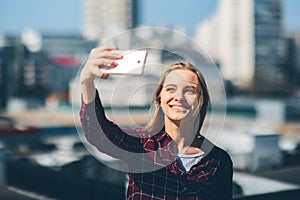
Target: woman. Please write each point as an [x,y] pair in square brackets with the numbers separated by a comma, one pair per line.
[183,164]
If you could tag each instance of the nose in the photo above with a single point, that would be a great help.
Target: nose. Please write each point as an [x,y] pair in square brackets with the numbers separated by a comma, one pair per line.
[178,95]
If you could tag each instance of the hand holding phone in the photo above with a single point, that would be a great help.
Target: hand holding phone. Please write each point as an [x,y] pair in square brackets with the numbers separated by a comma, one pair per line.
[133,63]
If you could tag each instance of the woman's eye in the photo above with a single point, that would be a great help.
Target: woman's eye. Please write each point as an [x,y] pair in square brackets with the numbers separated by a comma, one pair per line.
[170,89]
[190,91]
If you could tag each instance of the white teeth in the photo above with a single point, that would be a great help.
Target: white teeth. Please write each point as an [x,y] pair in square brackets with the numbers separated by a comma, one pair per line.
[178,107]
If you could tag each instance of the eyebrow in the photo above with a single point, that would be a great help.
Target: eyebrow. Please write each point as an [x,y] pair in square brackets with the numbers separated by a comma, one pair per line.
[193,86]
[170,84]
[190,86]
[173,84]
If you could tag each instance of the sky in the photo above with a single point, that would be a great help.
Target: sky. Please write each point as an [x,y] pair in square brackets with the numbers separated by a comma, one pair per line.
[65,16]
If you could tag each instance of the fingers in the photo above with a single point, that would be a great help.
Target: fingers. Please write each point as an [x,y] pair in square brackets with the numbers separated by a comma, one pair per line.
[101,58]
[104,76]
[105,48]
[102,63]
[106,52]
[103,55]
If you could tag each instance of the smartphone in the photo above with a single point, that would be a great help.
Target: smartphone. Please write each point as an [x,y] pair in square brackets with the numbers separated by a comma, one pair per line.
[132,63]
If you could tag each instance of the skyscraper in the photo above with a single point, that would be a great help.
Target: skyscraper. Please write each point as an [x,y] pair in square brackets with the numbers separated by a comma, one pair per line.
[248,43]
[102,18]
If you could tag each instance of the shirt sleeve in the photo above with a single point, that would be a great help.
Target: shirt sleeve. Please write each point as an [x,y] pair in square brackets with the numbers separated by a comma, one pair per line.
[105,135]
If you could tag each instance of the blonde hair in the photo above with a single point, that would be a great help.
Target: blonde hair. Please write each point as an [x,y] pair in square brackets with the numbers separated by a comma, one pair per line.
[157,122]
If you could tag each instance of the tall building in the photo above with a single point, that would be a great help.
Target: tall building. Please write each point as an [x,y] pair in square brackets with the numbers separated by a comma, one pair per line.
[6,73]
[293,62]
[245,37]
[102,18]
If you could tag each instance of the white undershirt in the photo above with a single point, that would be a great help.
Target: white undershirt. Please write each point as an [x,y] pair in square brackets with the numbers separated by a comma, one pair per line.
[189,160]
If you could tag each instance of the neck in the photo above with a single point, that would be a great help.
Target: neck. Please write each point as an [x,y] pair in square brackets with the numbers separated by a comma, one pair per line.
[172,128]
[181,132]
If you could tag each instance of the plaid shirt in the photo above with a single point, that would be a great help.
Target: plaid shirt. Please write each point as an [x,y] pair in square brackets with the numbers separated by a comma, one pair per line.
[164,177]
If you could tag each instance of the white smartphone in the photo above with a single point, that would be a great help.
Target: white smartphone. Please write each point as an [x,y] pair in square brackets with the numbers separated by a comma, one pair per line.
[133,63]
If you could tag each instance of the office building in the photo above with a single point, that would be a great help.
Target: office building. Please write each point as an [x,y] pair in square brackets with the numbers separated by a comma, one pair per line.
[103,19]
[245,38]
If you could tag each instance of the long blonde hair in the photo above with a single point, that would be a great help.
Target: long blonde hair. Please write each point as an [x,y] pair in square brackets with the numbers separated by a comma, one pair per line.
[157,122]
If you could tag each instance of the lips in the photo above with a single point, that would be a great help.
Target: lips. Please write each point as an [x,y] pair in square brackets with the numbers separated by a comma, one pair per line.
[178,108]
[174,106]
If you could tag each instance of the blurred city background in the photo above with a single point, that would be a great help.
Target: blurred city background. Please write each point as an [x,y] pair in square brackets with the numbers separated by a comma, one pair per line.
[254,43]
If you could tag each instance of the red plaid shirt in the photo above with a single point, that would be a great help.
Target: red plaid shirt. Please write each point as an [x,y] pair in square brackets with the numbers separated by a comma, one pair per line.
[164,177]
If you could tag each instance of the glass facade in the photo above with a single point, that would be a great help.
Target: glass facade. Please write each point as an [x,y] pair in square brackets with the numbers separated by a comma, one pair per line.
[268,39]
[267,33]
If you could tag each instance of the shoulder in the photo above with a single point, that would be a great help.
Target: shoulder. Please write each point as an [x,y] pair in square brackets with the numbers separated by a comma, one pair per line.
[222,155]
[216,153]
[212,151]
[222,163]
[224,169]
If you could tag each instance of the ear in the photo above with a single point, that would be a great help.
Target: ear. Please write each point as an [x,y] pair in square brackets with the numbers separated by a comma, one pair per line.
[157,100]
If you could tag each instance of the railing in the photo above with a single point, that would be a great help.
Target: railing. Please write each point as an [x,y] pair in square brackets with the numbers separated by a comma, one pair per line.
[62,185]
[59,185]
[281,195]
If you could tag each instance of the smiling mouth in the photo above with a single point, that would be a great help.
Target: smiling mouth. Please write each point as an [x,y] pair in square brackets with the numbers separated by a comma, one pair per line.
[178,108]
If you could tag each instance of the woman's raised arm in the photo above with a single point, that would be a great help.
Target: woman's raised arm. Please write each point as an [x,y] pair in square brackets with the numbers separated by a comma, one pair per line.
[100,57]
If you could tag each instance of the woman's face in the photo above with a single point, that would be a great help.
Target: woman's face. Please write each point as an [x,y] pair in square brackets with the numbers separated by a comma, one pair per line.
[179,95]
